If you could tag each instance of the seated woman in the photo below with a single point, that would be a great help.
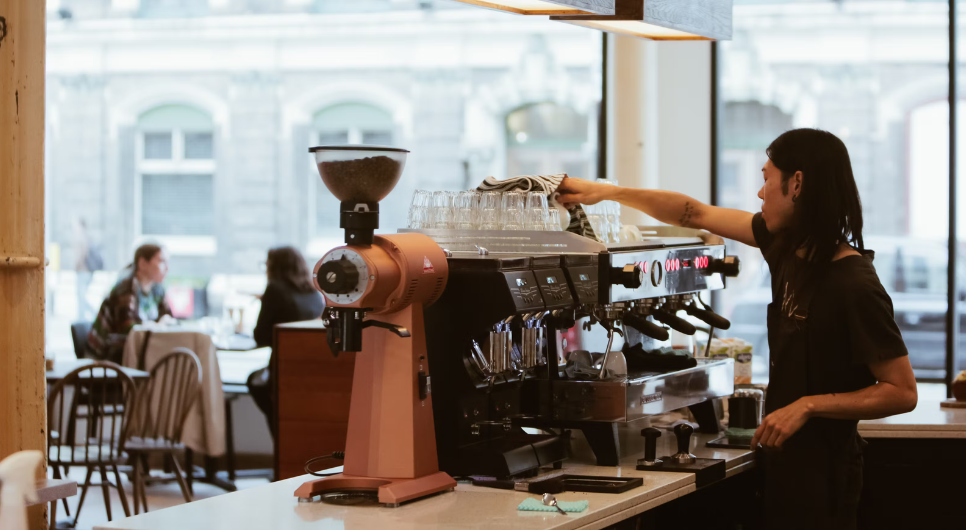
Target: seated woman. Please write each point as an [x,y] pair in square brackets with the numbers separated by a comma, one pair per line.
[289,297]
[138,297]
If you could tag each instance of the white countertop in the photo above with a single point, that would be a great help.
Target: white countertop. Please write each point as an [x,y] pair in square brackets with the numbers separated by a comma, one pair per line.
[928,420]
[469,507]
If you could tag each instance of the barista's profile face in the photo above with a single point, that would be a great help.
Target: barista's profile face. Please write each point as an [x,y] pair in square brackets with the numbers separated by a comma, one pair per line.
[778,205]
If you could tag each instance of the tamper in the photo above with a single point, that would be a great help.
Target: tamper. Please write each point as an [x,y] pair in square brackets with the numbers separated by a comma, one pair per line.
[683,433]
[650,459]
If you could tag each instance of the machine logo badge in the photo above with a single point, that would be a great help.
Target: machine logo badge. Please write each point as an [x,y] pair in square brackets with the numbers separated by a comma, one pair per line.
[427,266]
[652,398]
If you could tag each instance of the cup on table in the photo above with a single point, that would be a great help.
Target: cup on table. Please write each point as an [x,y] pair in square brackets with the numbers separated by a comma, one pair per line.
[514,206]
[491,210]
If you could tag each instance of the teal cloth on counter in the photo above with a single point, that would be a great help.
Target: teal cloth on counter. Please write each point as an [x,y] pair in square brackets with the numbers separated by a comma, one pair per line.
[740,433]
[534,505]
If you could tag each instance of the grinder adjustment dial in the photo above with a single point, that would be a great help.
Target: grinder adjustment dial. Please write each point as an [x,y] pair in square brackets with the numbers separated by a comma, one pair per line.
[342,276]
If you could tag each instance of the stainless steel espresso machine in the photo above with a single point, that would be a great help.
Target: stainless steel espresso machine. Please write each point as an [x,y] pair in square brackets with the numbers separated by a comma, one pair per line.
[493,340]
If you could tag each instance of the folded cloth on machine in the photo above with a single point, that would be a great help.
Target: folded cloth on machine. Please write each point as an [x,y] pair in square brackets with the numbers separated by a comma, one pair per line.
[579,224]
[533,505]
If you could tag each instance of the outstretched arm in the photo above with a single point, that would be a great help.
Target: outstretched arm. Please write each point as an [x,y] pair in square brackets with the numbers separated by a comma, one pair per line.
[666,206]
[895,393]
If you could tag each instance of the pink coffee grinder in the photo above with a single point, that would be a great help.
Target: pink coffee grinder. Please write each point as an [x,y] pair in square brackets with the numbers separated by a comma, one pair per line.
[391,443]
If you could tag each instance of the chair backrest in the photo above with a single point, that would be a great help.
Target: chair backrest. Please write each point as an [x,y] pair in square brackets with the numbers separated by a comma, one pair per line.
[164,402]
[79,332]
[108,394]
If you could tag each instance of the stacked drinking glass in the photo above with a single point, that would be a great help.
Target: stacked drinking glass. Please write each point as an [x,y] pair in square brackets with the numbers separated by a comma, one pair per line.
[490,210]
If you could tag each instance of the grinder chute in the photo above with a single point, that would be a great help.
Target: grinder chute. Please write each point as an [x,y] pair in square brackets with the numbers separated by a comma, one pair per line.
[391,443]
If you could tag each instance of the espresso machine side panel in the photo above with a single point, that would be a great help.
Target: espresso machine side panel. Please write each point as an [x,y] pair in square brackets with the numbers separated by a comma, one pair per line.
[471,304]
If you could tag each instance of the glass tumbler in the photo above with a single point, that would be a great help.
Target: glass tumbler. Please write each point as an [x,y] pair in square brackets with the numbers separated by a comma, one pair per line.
[514,210]
[467,206]
[553,224]
[537,216]
[491,210]
[420,209]
[443,211]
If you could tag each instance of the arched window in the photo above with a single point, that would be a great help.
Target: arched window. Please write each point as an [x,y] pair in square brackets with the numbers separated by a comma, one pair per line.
[175,178]
[345,123]
[547,138]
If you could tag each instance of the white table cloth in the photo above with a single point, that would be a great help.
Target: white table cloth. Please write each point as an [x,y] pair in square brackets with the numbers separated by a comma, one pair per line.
[204,430]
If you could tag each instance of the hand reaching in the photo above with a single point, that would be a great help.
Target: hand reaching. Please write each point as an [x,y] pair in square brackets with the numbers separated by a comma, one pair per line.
[575,191]
[781,425]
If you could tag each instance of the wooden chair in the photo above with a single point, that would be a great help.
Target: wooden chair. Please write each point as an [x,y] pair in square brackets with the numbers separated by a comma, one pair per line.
[78,334]
[159,416]
[108,393]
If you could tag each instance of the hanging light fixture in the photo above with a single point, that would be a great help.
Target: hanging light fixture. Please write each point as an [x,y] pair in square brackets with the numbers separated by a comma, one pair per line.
[548,7]
[663,19]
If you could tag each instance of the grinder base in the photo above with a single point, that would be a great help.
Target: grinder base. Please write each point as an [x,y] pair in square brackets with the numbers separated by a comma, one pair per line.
[391,491]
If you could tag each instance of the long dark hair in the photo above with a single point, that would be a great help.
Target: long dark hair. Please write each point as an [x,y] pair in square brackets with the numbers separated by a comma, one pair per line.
[828,210]
[286,264]
[147,252]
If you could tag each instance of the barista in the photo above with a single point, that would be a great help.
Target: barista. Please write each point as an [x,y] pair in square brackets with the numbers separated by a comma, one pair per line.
[836,353]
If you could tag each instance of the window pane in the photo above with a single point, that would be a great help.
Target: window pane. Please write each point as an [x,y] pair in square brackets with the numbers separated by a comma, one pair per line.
[157,146]
[181,205]
[547,138]
[199,146]
[830,65]
[333,137]
[377,137]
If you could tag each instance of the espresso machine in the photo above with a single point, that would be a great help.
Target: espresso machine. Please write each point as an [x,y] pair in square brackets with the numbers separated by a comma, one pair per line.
[376,290]
[505,402]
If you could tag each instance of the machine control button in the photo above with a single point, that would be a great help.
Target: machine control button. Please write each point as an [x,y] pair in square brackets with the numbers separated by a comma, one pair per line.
[729,266]
[657,273]
[338,276]
[630,276]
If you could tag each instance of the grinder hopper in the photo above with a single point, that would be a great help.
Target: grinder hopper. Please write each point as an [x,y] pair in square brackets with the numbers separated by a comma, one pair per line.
[360,176]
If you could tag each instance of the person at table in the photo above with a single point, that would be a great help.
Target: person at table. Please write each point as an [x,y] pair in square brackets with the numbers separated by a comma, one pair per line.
[138,297]
[289,297]
[836,352]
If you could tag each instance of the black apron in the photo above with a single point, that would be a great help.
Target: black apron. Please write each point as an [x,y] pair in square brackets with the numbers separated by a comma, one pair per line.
[815,479]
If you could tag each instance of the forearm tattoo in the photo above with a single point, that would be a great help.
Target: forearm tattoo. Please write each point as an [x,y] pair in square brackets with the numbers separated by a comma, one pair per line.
[685,219]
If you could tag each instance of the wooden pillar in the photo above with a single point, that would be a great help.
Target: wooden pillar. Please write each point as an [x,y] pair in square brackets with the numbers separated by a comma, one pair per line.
[23,418]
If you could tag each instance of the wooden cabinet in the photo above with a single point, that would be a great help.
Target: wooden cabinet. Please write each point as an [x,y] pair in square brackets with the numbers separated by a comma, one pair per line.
[312,390]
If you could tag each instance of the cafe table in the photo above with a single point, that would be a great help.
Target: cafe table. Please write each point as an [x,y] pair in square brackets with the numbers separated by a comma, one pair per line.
[208,430]
[62,368]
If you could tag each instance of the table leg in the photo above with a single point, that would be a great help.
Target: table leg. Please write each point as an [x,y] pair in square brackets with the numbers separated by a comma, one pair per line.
[230,440]
[189,465]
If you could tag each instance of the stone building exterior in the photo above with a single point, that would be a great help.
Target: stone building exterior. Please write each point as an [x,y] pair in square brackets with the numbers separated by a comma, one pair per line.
[188,123]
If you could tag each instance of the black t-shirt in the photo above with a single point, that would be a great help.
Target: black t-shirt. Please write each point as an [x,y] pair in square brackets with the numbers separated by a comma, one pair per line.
[822,340]
[281,304]
[847,317]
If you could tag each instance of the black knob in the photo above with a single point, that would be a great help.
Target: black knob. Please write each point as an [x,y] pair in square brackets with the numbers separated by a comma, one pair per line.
[338,276]
[707,316]
[646,327]
[683,432]
[650,435]
[630,276]
[676,323]
[729,266]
